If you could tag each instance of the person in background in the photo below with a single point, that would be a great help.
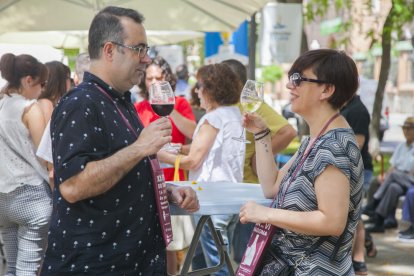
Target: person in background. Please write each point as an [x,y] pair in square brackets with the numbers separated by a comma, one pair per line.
[282,134]
[82,64]
[318,192]
[358,118]
[183,124]
[183,88]
[214,156]
[182,118]
[105,214]
[398,179]
[195,104]
[407,235]
[25,196]
[58,83]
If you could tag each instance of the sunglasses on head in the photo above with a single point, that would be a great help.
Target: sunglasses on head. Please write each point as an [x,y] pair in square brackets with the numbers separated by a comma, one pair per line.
[296,79]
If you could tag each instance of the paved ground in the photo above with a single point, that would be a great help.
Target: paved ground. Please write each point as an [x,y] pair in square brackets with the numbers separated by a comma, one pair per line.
[394,257]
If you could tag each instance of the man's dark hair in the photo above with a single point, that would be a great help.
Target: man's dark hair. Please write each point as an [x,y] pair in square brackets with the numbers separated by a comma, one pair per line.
[335,68]
[237,68]
[106,26]
[182,72]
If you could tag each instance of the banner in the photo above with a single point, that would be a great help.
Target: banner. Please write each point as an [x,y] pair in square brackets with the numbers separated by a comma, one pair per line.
[226,45]
[280,33]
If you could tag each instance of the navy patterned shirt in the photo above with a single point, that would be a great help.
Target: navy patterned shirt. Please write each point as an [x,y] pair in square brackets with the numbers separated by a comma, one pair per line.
[115,233]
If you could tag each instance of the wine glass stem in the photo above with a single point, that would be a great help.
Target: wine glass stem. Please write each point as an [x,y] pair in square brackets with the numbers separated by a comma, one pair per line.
[168,117]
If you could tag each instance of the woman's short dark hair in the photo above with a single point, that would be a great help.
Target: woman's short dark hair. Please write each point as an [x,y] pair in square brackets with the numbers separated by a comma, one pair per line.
[13,68]
[220,84]
[334,67]
[106,26]
[56,81]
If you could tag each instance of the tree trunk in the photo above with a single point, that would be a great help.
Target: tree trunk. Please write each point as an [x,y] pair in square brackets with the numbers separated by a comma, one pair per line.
[251,74]
[383,77]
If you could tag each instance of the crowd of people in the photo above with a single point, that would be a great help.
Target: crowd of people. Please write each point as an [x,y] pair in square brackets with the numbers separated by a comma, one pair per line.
[84,170]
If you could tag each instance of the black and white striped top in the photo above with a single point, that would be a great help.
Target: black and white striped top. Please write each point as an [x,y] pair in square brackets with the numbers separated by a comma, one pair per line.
[337,147]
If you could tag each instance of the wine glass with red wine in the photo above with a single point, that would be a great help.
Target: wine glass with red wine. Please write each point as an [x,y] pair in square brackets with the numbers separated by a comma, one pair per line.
[162,100]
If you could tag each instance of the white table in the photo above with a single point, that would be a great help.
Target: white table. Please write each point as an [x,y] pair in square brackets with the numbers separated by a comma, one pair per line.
[216,198]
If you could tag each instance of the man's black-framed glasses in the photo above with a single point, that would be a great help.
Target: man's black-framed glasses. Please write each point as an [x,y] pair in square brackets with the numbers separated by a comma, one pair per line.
[296,79]
[141,49]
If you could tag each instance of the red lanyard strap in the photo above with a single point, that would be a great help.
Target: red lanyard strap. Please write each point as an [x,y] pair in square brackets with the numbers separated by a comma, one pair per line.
[127,123]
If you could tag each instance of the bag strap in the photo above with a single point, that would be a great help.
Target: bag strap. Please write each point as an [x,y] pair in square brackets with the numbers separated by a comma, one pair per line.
[320,241]
[177,167]
[339,242]
[325,238]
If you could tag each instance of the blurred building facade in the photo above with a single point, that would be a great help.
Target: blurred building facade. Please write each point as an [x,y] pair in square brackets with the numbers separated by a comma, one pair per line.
[327,33]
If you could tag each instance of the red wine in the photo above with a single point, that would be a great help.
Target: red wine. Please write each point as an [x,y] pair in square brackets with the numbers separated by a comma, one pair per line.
[162,109]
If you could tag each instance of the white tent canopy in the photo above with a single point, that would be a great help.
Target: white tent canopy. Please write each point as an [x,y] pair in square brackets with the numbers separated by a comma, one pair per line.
[67,15]
[79,39]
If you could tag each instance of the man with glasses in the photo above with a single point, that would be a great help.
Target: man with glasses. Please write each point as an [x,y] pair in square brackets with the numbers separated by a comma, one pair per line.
[108,190]
[399,178]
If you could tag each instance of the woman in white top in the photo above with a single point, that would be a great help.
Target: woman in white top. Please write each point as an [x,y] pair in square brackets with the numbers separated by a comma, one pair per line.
[214,156]
[58,83]
[25,196]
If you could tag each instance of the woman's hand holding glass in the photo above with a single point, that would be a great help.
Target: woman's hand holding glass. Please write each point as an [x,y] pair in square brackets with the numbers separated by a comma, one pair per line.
[253,123]
[251,99]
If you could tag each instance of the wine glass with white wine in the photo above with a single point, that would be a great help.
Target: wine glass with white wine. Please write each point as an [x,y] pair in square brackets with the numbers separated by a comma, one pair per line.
[251,98]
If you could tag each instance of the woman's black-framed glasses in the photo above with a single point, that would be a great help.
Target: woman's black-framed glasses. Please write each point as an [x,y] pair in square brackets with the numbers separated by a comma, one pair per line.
[296,79]
[141,49]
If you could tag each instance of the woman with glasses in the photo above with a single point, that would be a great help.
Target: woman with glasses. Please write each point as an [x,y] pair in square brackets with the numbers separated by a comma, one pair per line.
[25,196]
[318,192]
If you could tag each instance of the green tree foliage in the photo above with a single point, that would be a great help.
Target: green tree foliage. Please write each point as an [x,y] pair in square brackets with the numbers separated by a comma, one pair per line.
[400,14]
[271,73]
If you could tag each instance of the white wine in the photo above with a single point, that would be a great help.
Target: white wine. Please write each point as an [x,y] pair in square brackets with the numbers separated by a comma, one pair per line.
[251,106]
